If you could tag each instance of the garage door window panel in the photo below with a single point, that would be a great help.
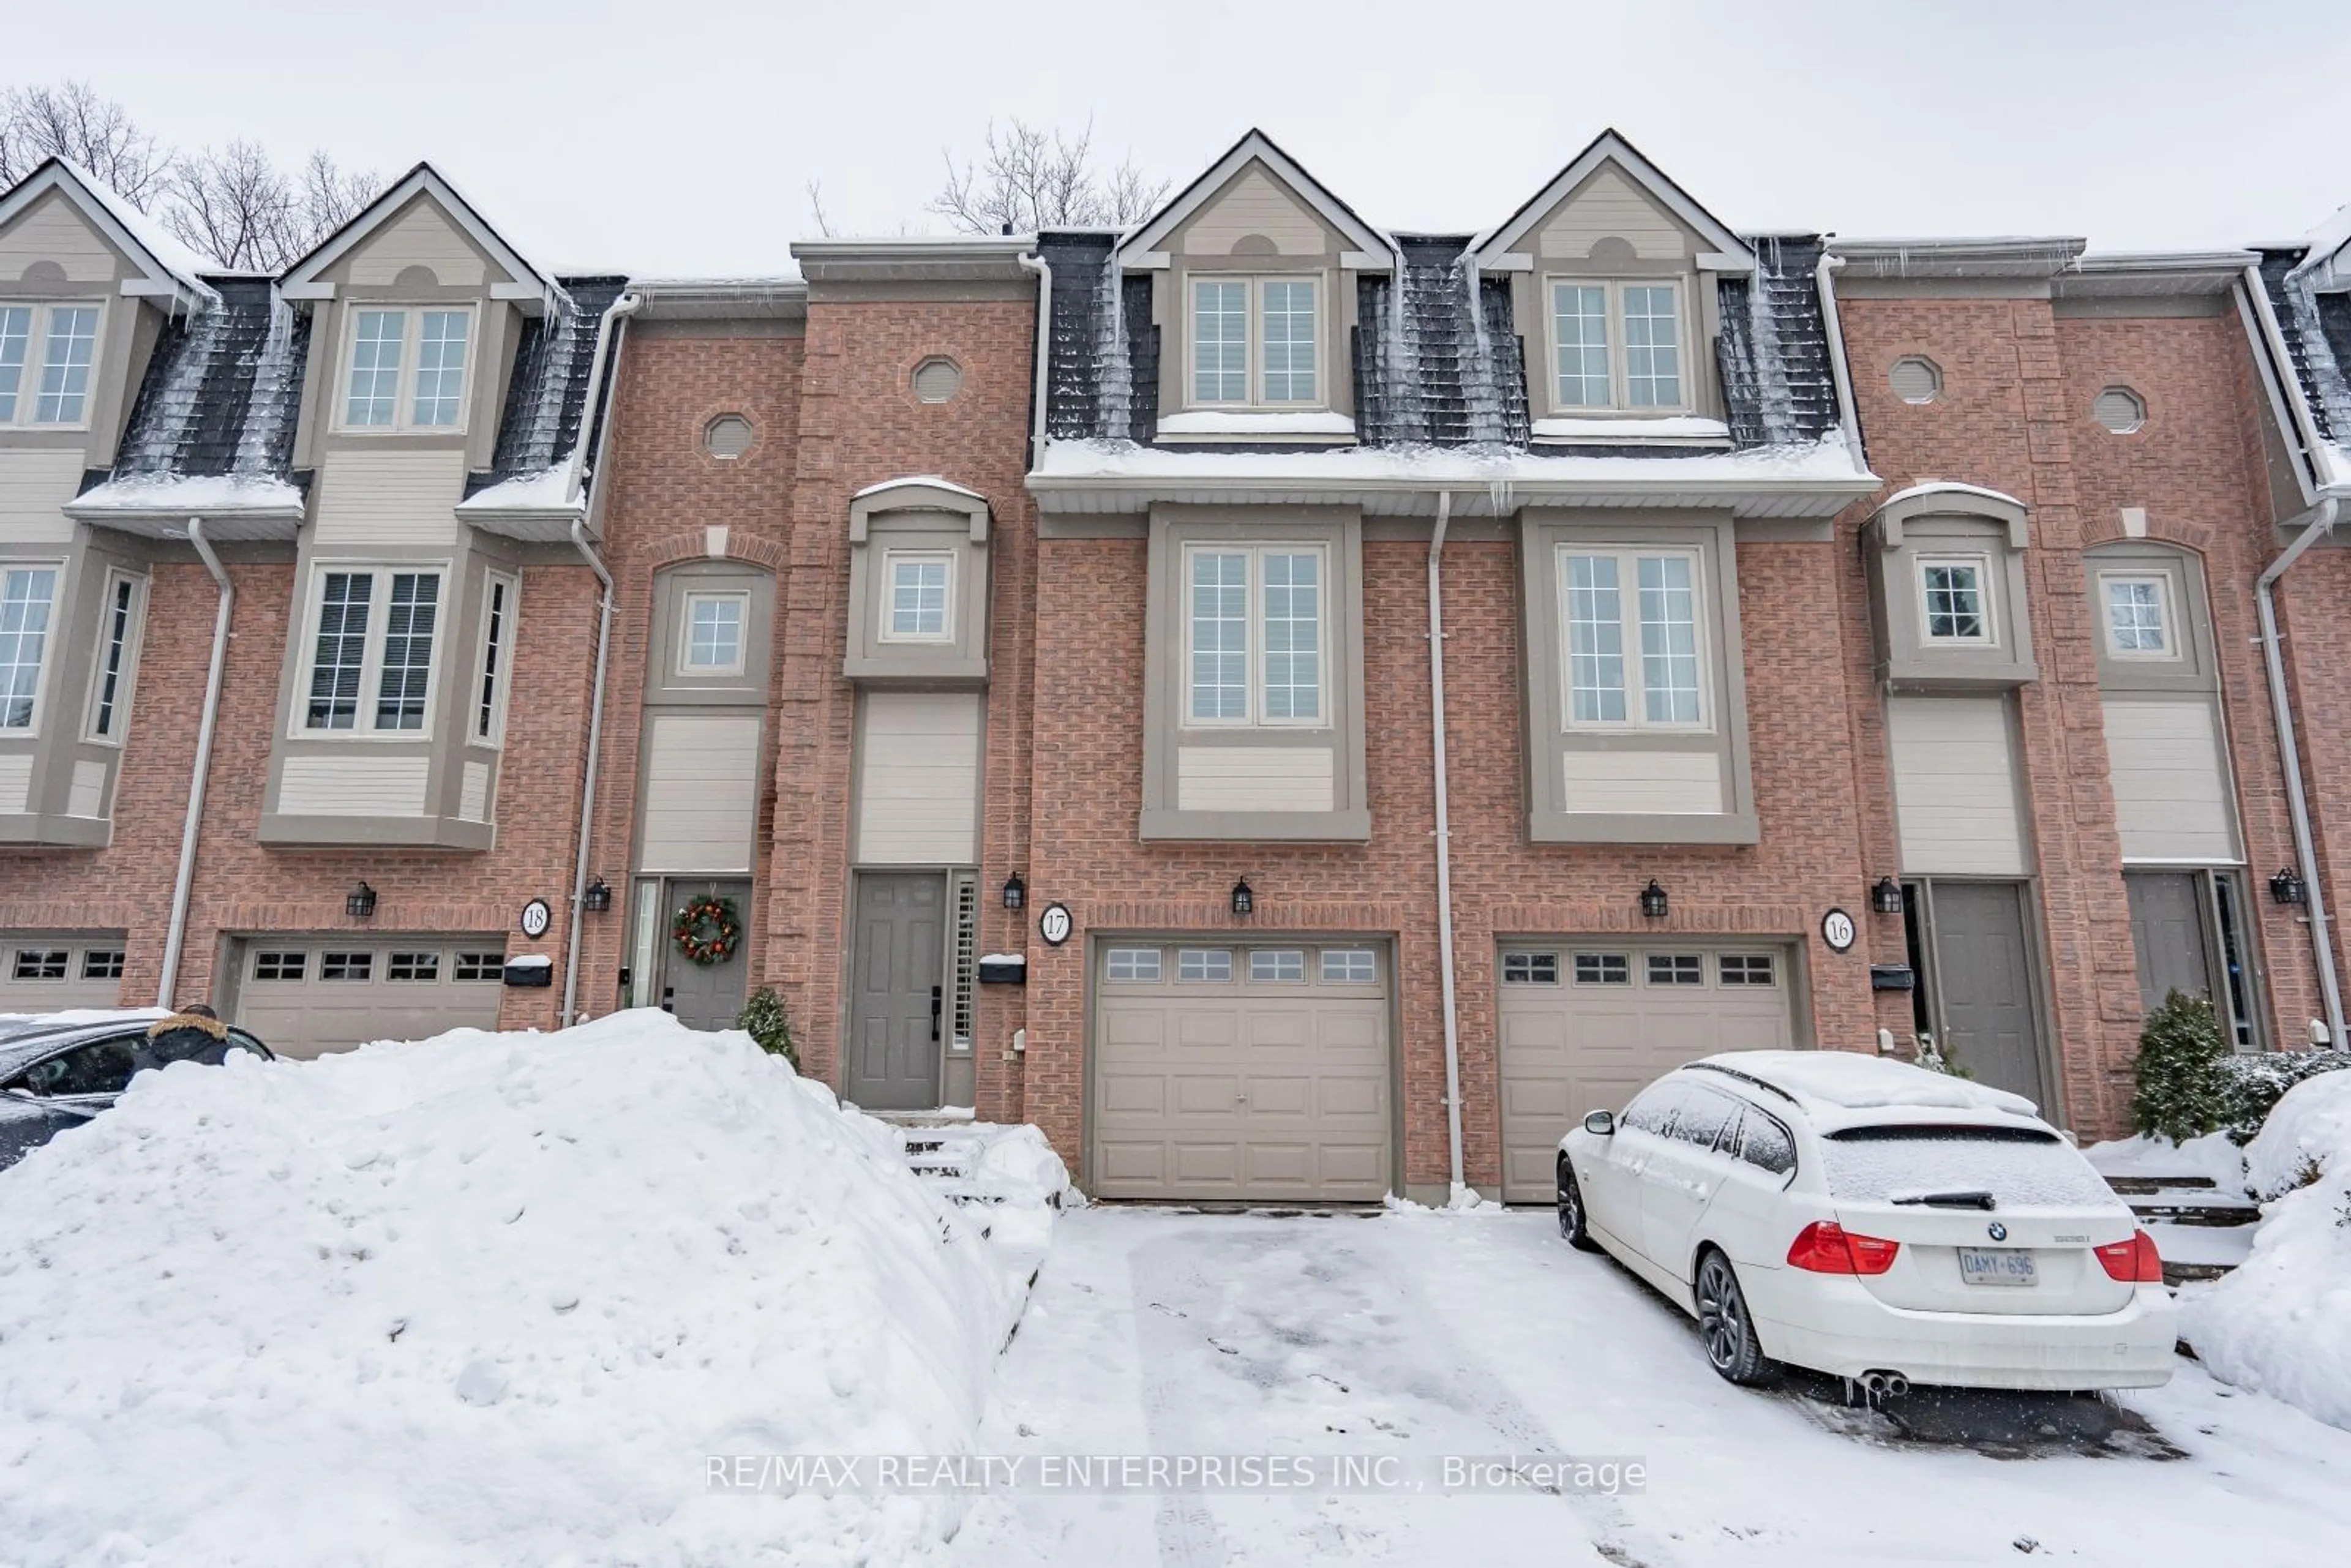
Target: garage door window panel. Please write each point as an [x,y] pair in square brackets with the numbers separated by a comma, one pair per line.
[40,963]
[412,967]
[1349,966]
[1203,965]
[1283,965]
[346,967]
[1675,969]
[1530,969]
[101,963]
[475,967]
[1746,969]
[1138,965]
[1603,969]
[275,965]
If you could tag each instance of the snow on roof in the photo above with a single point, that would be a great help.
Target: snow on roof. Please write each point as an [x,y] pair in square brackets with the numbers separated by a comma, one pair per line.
[548,490]
[1850,1080]
[1240,422]
[1950,487]
[1825,461]
[161,246]
[933,480]
[197,494]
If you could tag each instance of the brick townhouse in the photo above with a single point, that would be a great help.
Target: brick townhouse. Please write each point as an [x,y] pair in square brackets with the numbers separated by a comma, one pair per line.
[1034,645]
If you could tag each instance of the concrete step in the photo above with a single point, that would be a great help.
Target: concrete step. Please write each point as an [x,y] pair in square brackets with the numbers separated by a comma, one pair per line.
[2147,1185]
[2221,1212]
[2178,1274]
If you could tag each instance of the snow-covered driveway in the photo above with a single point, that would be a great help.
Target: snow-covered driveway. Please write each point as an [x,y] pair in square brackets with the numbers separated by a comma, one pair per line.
[1421,1335]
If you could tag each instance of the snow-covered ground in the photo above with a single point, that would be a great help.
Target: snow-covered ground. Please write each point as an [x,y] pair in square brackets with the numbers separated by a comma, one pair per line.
[485,1298]
[1417,1334]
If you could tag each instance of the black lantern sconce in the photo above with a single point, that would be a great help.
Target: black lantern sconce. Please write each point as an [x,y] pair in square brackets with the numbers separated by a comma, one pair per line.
[1016,892]
[1244,900]
[2288,889]
[1887,896]
[598,898]
[360,905]
[1653,900]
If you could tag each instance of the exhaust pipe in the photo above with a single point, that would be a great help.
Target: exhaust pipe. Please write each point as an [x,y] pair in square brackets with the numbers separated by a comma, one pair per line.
[1877,1388]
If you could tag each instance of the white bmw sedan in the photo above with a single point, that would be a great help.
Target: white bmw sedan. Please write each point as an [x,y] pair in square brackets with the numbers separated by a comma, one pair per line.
[1871,1220]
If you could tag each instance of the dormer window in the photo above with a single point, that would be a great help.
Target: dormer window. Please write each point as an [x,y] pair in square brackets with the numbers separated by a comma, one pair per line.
[1255,342]
[1955,605]
[1617,345]
[920,585]
[68,338]
[406,370]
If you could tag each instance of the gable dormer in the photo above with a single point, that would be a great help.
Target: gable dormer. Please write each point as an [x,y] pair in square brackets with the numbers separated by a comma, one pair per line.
[1253,301]
[1614,271]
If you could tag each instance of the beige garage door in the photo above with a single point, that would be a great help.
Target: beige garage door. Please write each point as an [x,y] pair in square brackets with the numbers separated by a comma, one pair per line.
[306,996]
[1251,1074]
[1585,1024]
[45,972]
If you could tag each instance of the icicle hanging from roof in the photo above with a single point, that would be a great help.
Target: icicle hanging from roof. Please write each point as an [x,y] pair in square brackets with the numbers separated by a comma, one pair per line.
[269,406]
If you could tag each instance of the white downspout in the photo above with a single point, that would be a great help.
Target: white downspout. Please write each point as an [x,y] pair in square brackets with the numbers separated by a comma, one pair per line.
[1444,837]
[628,304]
[169,979]
[1035,262]
[1848,419]
[2322,943]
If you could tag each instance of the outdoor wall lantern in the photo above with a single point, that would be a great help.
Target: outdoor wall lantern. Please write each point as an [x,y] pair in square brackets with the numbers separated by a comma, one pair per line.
[1887,896]
[1653,900]
[1016,892]
[361,903]
[598,898]
[2288,889]
[1244,900]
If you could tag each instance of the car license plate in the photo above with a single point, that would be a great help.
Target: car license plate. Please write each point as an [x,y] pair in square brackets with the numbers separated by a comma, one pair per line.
[1997,1266]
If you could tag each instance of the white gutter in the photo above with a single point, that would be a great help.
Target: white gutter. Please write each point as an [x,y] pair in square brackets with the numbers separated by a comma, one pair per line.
[626,305]
[1444,836]
[1825,283]
[2321,945]
[169,979]
[1035,262]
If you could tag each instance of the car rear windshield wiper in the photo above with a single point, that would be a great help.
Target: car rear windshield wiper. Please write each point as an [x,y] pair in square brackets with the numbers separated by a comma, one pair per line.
[1976,1198]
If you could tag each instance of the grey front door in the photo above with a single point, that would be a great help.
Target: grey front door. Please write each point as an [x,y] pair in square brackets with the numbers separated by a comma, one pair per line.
[2167,911]
[896,955]
[1983,960]
[704,995]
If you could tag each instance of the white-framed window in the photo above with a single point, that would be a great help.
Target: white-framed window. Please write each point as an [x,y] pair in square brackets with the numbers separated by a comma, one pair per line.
[372,632]
[350,967]
[475,967]
[500,604]
[1677,969]
[1203,964]
[28,599]
[1954,601]
[1286,965]
[404,368]
[921,607]
[2137,613]
[710,636]
[1744,969]
[412,967]
[1350,966]
[1630,637]
[47,357]
[1256,342]
[117,657]
[1138,964]
[1617,345]
[1603,969]
[1530,969]
[272,964]
[1255,620]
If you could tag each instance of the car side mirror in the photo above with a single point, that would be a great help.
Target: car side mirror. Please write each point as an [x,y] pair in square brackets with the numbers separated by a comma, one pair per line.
[1601,1123]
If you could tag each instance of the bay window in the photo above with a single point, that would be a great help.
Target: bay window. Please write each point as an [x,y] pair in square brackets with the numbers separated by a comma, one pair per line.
[1632,641]
[118,651]
[372,634]
[1254,649]
[498,595]
[406,370]
[1618,346]
[45,355]
[1256,341]
[27,601]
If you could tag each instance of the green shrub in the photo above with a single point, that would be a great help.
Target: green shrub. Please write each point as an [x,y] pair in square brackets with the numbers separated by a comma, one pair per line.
[2256,1082]
[2185,1087]
[764,1020]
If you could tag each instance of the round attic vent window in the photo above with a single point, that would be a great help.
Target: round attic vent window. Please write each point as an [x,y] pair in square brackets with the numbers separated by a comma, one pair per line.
[2119,409]
[938,379]
[728,437]
[1915,380]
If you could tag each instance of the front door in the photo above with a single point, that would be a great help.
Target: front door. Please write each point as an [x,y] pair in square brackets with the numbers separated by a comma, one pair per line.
[897,954]
[706,996]
[1983,960]
[2167,911]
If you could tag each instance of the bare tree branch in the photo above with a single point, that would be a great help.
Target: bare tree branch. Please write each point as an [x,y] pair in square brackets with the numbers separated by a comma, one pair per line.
[235,207]
[72,122]
[816,208]
[1028,179]
[332,198]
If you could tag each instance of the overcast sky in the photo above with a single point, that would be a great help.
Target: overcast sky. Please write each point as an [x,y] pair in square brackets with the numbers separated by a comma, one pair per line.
[678,139]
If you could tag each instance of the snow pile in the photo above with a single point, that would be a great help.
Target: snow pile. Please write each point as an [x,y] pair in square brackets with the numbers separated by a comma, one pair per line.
[1008,1178]
[2214,1156]
[484,1298]
[2275,1325]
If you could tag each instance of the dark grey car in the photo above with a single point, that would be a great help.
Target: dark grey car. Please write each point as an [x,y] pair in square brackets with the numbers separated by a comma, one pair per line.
[58,1072]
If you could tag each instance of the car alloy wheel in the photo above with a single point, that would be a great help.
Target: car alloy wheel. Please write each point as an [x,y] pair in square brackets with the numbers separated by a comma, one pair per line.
[1572,1222]
[1724,1326]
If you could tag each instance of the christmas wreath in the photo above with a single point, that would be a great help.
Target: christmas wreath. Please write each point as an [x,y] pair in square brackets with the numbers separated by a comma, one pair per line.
[706,929]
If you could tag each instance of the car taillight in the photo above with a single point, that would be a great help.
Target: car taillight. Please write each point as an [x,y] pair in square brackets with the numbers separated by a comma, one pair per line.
[1824,1246]
[2134,1262]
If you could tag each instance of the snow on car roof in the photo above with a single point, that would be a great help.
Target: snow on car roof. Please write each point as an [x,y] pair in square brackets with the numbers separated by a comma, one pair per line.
[1850,1081]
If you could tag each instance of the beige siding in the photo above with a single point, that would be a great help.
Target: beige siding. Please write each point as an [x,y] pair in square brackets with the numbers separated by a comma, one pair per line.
[87,796]
[1605,204]
[54,231]
[2172,796]
[16,781]
[421,236]
[34,484]
[1684,783]
[371,499]
[700,787]
[1254,778]
[474,792]
[918,779]
[1955,785]
[1256,204]
[361,785]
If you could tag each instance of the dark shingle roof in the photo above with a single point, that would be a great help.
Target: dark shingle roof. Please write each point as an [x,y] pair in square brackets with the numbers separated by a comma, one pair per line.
[222,390]
[1425,375]
[546,398]
[2317,332]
